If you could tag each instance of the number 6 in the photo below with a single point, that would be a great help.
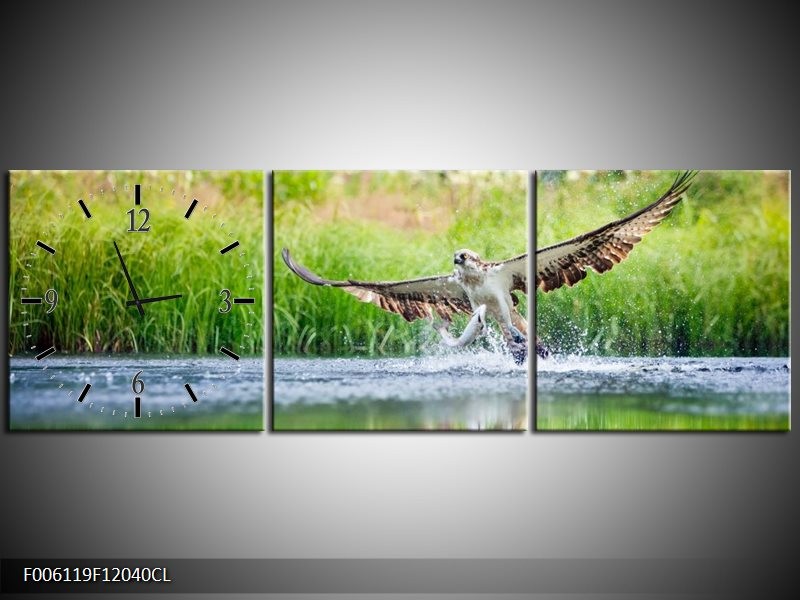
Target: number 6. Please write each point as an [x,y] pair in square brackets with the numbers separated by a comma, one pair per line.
[137,385]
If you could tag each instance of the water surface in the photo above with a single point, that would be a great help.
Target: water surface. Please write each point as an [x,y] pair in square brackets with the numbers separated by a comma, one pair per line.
[663,393]
[44,394]
[480,390]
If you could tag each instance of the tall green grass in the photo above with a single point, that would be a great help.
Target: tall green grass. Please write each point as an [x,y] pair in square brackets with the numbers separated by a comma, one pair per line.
[381,226]
[711,280]
[178,256]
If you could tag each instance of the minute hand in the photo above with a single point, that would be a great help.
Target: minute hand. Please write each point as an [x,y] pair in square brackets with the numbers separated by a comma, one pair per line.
[148,300]
[130,283]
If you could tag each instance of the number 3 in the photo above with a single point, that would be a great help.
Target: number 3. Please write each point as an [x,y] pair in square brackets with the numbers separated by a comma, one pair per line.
[226,301]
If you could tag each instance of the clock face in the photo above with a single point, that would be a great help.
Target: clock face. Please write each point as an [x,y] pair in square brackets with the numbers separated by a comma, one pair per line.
[136,300]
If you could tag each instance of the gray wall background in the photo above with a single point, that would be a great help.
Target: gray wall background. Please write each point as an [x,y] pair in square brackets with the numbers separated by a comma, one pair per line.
[506,85]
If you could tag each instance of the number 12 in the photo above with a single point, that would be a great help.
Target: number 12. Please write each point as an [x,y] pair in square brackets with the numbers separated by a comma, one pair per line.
[143,227]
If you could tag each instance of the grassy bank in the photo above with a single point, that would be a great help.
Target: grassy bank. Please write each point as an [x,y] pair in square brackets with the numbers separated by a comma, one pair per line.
[381,226]
[177,256]
[711,280]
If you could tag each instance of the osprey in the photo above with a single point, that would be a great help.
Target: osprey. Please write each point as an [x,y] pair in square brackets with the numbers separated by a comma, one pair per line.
[485,288]
[602,248]
[476,287]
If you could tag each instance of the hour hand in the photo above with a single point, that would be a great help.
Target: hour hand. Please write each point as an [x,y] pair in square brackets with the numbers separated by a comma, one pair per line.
[148,300]
[136,300]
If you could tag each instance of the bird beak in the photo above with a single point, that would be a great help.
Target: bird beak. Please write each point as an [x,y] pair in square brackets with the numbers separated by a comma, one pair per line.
[457,261]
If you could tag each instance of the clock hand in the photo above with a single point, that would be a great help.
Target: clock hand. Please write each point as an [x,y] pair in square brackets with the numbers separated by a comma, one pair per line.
[148,300]
[137,302]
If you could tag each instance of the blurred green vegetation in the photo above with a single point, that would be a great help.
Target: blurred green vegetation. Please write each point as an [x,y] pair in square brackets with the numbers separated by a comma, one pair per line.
[381,226]
[383,415]
[178,256]
[199,422]
[711,280]
[609,413]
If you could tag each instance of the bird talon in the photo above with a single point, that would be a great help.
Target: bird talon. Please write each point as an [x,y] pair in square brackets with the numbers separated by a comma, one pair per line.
[517,336]
[542,350]
[519,351]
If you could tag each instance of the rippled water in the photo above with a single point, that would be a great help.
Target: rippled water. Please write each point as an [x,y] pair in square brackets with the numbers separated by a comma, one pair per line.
[44,394]
[460,390]
[480,390]
[663,393]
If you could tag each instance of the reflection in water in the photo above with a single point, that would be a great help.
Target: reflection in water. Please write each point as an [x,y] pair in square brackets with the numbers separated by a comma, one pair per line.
[44,395]
[663,393]
[481,390]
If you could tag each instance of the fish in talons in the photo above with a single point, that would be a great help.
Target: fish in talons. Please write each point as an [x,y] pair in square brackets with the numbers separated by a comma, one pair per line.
[471,332]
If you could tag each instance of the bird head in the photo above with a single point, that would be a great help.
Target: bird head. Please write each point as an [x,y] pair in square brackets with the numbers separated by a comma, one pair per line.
[466,261]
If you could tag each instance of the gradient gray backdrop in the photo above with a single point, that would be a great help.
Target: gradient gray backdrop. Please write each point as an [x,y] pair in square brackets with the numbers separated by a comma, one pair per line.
[487,85]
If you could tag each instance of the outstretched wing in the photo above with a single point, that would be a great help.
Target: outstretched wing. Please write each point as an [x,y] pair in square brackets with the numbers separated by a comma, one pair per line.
[601,249]
[515,272]
[412,299]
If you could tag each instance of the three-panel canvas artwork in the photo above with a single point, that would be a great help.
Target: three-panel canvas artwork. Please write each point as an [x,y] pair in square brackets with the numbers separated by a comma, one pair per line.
[399,300]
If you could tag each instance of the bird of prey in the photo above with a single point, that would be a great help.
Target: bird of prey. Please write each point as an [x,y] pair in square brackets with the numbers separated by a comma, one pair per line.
[475,287]
[566,263]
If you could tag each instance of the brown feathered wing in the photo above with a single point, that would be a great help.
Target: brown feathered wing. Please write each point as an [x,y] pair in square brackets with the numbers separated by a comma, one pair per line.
[412,299]
[599,250]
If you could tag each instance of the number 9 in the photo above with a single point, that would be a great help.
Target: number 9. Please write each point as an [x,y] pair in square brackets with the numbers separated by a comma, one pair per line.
[51,298]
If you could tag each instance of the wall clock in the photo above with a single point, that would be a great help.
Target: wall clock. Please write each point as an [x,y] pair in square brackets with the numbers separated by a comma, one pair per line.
[135,300]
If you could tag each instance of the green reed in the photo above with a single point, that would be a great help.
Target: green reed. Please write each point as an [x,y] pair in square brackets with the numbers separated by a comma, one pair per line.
[176,256]
[711,280]
[381,226]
